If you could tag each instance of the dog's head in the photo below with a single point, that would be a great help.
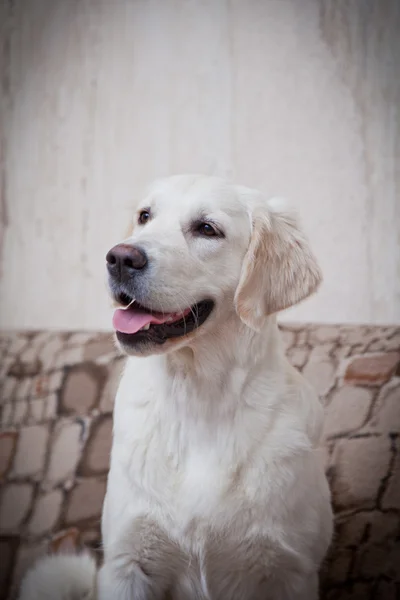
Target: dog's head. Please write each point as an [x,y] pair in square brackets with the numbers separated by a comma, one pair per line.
[200,251]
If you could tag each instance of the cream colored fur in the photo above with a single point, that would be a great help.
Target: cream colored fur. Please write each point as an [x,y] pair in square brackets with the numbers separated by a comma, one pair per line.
[279,269]
[61,577]
[216,488]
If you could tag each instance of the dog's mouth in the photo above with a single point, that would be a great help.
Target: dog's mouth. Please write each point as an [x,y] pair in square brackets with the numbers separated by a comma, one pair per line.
[135,323]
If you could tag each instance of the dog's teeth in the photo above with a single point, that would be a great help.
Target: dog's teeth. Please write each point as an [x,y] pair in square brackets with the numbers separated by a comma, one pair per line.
[146,327]
[169,320]
[128,305]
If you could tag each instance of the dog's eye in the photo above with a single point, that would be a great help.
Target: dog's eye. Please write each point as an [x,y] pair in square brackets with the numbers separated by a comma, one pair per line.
[207,230]
[144,216]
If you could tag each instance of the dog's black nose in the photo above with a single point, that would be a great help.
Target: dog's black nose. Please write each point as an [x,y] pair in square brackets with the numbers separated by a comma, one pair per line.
[124,260]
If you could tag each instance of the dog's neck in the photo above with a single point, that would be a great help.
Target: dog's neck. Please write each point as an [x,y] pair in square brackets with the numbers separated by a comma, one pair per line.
[232,344]
[207,383]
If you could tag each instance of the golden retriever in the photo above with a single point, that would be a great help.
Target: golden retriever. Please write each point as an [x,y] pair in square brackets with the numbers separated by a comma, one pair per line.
[216,488]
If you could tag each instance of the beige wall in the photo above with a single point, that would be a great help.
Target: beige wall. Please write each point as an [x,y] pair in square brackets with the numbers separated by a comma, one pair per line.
[298,97]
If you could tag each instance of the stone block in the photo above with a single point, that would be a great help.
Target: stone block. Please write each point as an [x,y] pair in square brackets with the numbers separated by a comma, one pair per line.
[339,567]
[50,410]
[27,368]
[388,341]
[288,337]
[347,410]
[36,410]
[386,414]
[50,349]
[359,466]
[65,452]
[68,356]
[302,336]
[371,369]
[5,367]
[96,459]
[18,343]
[31,451]
[341,352]
[40,386]
[15,504]
[29,353]
[7,414]
[39,340]
[391,498]
[82,338]
[352,530]
[384,526]
[105,359]
[372,562]
[20,412]
[46,513]
[320,372]
[110,388]
[86,500]
[356,335]
[393,561]
[370,528]
[8,389]
[81,388]
[387,590]
[8,442]
[23,389]
[324,334]
[8,547]
[298,356]
[360,591]
[55,380]
[101,347]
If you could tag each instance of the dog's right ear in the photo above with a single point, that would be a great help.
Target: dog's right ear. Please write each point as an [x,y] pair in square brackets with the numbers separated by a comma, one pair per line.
[279,269]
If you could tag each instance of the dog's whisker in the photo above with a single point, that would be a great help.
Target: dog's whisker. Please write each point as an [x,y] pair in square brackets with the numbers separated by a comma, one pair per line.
[193,308]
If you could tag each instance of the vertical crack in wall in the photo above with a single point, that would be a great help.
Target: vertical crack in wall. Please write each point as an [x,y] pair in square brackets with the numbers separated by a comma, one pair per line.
[363,38]
[89,31]
[6,21]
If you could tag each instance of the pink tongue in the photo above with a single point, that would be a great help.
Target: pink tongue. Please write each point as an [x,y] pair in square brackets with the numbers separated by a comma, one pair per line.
[131,320]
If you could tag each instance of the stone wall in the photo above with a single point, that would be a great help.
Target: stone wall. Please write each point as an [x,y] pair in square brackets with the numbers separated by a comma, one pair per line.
[57,393]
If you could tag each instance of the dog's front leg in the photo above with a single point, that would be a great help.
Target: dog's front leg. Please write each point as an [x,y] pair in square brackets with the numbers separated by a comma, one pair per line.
[126,584]
[142,565]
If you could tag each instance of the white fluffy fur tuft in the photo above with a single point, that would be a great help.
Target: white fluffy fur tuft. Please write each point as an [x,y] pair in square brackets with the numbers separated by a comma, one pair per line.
[61,577]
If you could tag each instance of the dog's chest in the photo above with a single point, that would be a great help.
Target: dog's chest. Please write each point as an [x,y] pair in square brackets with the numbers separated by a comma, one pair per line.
[188,465]
[190,470]
[189,476]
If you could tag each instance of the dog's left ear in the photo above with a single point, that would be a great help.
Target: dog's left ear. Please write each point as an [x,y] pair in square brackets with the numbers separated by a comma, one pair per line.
[279,269]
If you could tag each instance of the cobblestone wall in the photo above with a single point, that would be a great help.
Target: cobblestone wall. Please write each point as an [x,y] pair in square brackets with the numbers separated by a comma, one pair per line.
[56,400]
